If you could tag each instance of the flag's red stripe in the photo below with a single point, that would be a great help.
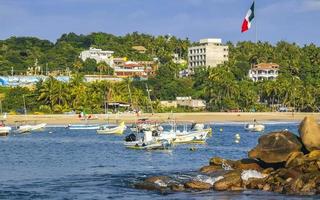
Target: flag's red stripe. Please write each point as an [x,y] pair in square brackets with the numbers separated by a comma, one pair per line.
[244,26]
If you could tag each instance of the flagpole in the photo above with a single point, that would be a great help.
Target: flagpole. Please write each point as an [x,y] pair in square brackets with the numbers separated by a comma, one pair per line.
[255,23]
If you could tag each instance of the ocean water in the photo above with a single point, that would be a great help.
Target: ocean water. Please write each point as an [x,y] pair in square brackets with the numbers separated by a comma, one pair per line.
[58,163]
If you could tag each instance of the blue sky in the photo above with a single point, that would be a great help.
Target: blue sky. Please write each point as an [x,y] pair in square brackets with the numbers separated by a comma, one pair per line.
[291,20]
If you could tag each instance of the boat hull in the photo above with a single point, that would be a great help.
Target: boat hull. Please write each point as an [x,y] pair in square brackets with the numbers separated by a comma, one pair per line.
[254,127]
[28,128]
[83,127]
[116,130]
[4,131]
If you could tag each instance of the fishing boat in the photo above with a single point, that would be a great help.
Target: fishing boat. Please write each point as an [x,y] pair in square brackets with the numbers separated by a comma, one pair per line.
[4,130]
[144,124]
[147,142]
[197,134]
[83,126]
[254,127]
[113,130]
[28,128]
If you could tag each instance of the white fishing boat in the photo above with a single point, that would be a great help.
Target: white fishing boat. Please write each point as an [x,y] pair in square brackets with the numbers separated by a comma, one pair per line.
[144,124]
[113,130]
[28,128]
[197,134]
[83,126]
[147,142]
[4,130]
[254,127]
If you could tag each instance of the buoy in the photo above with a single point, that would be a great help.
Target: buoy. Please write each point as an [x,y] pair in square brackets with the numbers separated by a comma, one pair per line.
[237,141]
[50,132]
[221,129]
[237,136]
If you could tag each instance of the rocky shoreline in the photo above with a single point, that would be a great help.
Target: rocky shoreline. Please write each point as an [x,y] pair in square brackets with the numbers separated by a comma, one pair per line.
[281,162]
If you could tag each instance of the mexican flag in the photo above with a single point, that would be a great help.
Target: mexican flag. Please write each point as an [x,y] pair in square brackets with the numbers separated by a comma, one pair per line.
[248,19]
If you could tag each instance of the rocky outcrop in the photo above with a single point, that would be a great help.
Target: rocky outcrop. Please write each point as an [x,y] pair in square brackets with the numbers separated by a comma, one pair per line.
[275,147]
[198,185]
[276,164]
[309,131]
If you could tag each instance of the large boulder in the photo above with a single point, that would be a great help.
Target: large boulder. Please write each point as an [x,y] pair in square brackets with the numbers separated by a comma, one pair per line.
[229,180]
[275,147]
[309,131]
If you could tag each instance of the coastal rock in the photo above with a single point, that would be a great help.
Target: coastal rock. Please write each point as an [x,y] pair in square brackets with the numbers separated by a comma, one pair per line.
[221,162]
[198,185]
[176,187]
[246,164]
[211,169]
[275,147]
[230,179]
[159,183]
[309,131]
[295,159]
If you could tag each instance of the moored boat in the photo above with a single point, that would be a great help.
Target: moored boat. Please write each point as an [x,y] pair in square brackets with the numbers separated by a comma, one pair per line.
[147,142]
[113,130]
[254,127]
[4,130]
[83,126]
[28,128]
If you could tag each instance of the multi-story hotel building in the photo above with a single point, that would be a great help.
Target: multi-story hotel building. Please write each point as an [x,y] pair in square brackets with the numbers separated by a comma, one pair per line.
[264,71]
[98,54]
[209,53]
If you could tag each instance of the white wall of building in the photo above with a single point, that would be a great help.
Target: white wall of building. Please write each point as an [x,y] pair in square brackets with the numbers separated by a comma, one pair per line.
[98,54]
[209,53]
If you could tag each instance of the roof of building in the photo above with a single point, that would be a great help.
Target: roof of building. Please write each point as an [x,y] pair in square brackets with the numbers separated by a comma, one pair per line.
[139,48]
[266,66]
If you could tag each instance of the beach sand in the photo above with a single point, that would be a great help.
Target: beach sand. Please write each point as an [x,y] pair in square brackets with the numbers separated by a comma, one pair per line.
[203,117]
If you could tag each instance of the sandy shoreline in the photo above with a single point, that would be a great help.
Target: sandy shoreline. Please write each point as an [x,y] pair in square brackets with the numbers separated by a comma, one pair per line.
[162,117]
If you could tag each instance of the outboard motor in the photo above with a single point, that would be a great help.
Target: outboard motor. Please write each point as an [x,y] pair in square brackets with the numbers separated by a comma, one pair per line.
[130,138]
[155,133]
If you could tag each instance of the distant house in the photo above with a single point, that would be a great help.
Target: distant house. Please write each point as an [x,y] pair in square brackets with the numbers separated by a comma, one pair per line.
[264,71]
[185,102]
[140,49]
[139,69]
[98,55]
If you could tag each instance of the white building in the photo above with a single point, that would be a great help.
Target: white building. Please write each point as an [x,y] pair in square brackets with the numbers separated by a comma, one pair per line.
[209,53]
[99,55]
[264,71]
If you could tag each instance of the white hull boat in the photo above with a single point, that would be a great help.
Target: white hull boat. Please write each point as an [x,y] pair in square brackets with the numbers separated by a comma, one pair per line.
[192,137]
[5,130]
[83,126]
[254,127]
[28,128]
[114,130]
[148,142]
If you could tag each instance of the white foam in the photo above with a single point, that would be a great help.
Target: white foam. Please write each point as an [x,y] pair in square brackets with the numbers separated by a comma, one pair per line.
[160,183]
[208,179]
[246,174]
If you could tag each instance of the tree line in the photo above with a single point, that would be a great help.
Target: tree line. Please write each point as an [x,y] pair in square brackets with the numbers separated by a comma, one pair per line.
[224,88]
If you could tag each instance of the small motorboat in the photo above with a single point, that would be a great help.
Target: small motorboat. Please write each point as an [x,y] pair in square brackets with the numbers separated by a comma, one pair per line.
[83,126]
[147,142]
[254,127]
[144,124]
[28,128]
[197,134]
[4,130]
[113,130]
